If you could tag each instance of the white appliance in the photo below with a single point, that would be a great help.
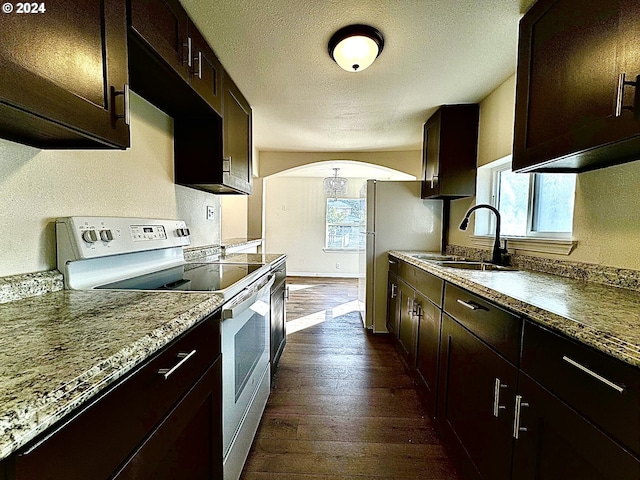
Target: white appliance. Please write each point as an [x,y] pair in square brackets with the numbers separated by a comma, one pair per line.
[397,219]
[117,253]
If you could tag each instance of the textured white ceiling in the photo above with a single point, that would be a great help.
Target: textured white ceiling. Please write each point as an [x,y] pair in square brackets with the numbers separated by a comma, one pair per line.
[436,52]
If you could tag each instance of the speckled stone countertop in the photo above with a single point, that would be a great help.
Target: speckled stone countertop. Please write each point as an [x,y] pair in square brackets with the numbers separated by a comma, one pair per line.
[239,242]
[59,349]
[604,317]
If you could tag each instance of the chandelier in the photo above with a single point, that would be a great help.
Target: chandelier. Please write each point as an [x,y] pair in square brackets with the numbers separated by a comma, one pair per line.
[334,186]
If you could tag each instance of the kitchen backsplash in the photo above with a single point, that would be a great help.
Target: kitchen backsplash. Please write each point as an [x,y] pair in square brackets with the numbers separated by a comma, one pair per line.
[17,287]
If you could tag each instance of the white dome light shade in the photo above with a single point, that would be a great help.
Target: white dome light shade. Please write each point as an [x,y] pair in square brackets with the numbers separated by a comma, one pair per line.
[355,47]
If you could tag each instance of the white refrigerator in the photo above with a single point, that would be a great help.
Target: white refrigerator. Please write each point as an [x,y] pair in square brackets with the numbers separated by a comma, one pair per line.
[397,219]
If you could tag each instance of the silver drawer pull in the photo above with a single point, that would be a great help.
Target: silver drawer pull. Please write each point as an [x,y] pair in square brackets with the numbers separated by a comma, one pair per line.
[496,397]
[167,372]
[469,305]
[609,383]
[516,417]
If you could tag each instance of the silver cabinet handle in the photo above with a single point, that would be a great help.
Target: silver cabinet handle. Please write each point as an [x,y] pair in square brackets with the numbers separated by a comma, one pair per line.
[496,397]
[126,114]
[516,418]
[593,374]
[228,160]
[199,59]
[622,82]
[469,305]
[286,293]
[167,372]
[189,46]
[394,290]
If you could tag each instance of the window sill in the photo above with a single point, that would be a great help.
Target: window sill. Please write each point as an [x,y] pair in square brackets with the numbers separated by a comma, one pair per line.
[340,250]
[540,245]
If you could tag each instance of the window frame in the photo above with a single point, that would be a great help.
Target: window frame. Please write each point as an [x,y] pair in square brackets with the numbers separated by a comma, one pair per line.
[357,224]
[488,192]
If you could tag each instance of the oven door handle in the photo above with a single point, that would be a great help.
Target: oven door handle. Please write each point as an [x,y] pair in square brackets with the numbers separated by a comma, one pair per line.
[236,307]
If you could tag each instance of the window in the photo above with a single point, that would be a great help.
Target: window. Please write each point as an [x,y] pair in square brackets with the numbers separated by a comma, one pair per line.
[345,217]
[531,205]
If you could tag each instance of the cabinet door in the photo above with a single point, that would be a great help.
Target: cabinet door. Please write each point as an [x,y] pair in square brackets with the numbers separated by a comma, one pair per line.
[163,24]
[188,443]
[278,325]
[206,71]
[559,443]
[567,87]
[407,327]
[450,147]
[428,350]
[237,168]
[477,388]
[431,157]
[392,304]
[59,71]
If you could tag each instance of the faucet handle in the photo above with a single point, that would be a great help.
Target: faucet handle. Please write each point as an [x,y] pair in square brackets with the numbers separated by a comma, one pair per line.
[504,248]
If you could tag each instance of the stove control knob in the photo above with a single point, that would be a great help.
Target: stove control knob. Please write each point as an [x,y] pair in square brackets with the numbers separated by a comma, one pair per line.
[106,235]
[90,236]
[183,232]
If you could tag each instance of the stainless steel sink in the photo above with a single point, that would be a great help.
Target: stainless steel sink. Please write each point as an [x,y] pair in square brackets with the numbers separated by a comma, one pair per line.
[471,265]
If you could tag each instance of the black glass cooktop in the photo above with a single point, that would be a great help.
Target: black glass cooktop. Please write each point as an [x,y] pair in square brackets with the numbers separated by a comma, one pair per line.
[192,277]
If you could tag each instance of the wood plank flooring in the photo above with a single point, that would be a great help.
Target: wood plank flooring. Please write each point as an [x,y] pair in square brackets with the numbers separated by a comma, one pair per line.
[341,406]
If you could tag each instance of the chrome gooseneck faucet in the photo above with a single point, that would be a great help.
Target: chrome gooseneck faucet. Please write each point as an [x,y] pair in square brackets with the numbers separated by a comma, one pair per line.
[498,251]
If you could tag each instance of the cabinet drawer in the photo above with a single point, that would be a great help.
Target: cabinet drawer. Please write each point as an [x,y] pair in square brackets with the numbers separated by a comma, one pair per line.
[427,284]
[97,439]
[497,327]
[601,388]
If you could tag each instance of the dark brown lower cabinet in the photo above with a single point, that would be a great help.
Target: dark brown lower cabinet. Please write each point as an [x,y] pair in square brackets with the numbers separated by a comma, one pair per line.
[188,442]
[428,352]
[476,392]
[164,420]
[393,315]
[408,326]
[558,443]
[278,316]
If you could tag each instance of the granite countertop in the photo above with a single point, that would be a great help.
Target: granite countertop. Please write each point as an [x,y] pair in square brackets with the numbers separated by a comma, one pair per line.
[238,242]
[604,317]
[59,349]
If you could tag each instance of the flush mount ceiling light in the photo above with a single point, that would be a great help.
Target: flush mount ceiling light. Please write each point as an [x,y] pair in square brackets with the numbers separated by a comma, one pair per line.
[355,47]
[334,186]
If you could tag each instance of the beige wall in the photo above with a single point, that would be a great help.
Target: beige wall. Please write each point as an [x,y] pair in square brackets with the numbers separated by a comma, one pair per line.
[607,207]
[295,225]
[405,161]
[36,186]
[271,163]
[234,216]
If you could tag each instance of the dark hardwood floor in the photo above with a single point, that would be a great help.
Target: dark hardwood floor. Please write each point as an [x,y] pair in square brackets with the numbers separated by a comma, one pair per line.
[341,405]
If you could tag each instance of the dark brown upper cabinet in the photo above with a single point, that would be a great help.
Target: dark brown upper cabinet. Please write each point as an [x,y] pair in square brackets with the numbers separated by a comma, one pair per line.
[173,67]
[206,70]
[163,24]
[212,153]
[237,151]
[449,152]
[578,63]
[163,28]
[63,75]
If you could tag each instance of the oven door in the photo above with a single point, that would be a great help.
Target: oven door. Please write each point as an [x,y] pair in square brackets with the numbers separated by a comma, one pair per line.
[245,373]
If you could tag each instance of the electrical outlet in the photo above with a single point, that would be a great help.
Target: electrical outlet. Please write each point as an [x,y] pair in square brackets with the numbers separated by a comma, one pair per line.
[337,266]
[211,213]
